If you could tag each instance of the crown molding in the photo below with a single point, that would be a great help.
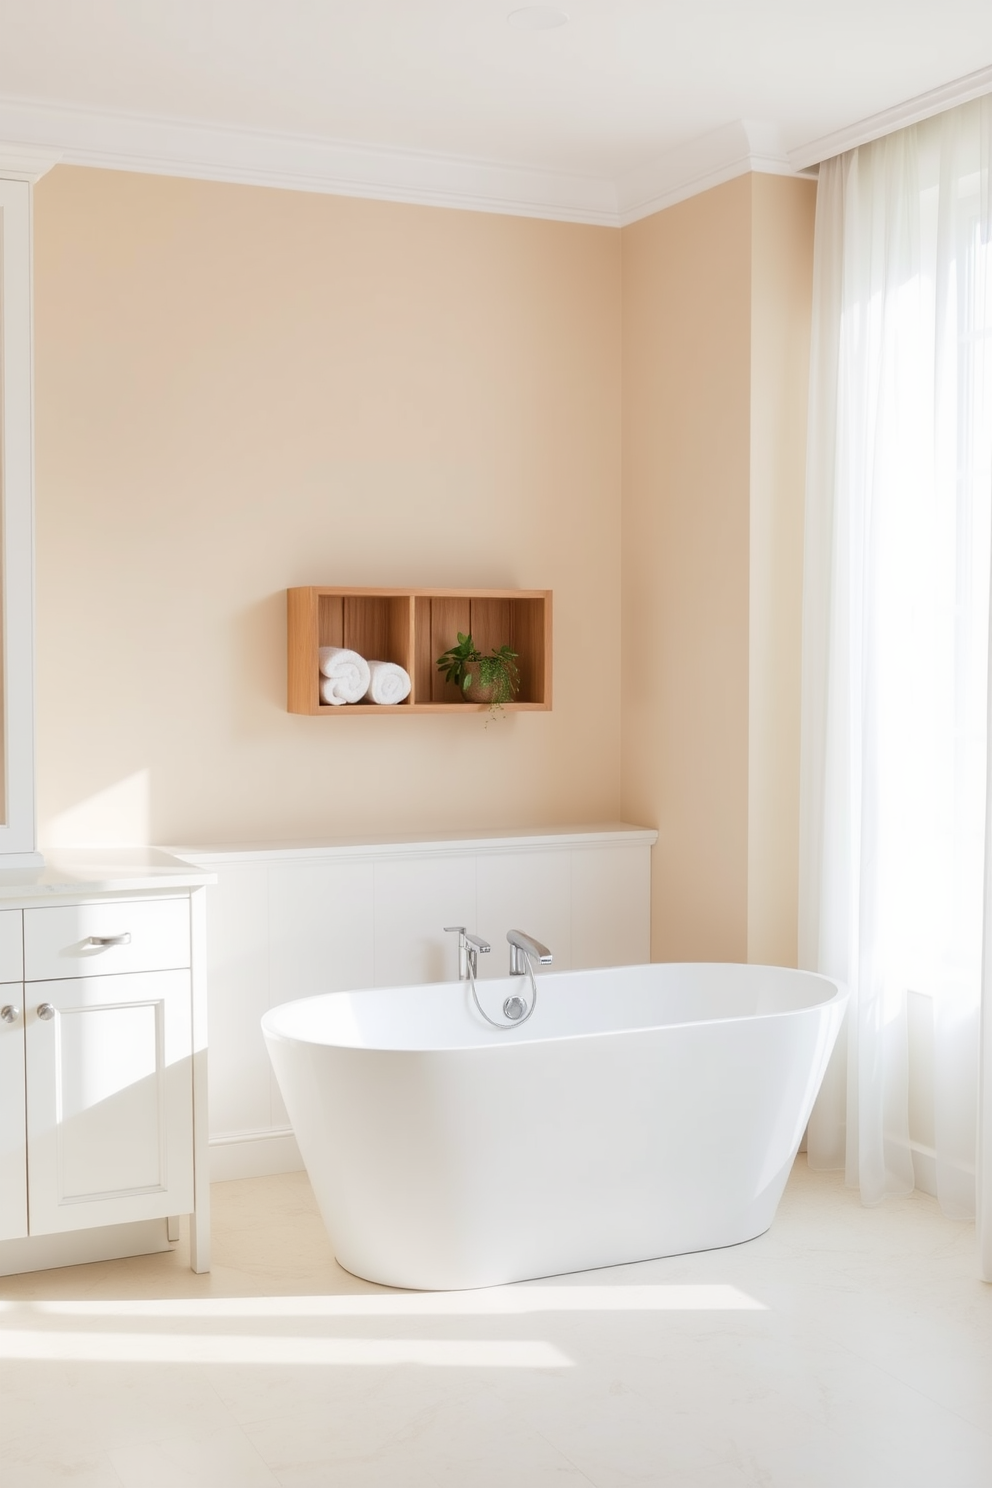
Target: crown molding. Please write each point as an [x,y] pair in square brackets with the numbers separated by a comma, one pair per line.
[709,160]
[26,163]
[299,163]
[900,116]
[37,136]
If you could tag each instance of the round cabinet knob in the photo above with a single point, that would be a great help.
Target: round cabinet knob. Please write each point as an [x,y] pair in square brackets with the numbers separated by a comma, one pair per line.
[8,1014]
[45,1011]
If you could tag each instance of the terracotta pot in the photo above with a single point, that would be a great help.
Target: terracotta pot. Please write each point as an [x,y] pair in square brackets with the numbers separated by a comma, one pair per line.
[476,691]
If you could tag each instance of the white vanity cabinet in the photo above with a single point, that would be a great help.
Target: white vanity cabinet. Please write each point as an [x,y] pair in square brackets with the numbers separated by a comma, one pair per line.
[103,1131]
[108,1069]
[102,1073]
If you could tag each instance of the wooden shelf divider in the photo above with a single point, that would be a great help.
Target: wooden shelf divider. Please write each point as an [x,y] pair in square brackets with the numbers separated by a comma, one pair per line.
[413,627]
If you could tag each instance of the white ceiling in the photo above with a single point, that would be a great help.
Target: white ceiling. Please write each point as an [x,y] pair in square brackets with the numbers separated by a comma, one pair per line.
[445,100]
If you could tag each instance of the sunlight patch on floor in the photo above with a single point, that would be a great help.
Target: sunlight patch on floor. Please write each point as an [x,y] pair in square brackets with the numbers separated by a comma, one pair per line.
[508,1301]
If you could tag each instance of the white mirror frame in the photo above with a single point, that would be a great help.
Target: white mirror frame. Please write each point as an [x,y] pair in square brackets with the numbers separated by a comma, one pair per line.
[18,837]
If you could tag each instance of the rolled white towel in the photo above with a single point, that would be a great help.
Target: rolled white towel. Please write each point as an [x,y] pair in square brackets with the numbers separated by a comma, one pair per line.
[389,683]
[344,675]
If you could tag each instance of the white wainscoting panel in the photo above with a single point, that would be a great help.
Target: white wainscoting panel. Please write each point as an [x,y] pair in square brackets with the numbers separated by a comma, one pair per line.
[415,897]
[297,920]
[237,996]
[320,927]
[526,891]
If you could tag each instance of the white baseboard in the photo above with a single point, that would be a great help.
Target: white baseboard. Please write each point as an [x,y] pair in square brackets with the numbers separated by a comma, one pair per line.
[925,1168]
[79,1247]
[253,1154]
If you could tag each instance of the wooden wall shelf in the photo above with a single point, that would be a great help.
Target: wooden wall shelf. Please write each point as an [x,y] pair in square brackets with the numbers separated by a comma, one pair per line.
[413,627]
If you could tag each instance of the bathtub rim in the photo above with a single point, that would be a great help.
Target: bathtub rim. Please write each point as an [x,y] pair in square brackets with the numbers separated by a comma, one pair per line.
[840,995]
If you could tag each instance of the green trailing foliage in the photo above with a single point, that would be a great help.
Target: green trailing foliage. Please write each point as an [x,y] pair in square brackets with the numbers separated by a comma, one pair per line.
[463,665]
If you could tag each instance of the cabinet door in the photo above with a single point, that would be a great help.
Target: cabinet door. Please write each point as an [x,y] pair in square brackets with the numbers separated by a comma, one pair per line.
[109,1099]
[13,1172]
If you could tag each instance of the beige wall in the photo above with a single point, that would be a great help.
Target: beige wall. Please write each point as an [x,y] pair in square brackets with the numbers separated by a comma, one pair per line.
[686,367]
[781,312]
[716,309]
[240,390]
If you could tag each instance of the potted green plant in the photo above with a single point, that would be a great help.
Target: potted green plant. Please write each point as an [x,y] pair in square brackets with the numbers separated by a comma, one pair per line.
[492,679]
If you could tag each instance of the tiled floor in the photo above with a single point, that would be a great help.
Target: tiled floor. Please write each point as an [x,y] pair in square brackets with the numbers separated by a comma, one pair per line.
[847,1348]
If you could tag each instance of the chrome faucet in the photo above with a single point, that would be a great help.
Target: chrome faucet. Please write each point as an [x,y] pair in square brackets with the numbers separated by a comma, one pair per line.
[522,946]
[470,948]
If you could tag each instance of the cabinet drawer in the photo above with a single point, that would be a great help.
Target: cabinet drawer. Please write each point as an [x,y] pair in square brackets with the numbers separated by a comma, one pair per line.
[11,946]
[65,940]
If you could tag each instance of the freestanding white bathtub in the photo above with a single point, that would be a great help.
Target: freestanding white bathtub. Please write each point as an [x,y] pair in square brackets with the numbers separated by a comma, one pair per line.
[643,1111]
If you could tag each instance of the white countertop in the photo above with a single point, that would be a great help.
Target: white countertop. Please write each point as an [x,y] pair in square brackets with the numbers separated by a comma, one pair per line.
[68,872]
[509,839]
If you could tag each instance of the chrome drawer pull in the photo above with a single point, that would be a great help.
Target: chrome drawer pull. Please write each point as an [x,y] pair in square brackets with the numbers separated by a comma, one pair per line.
[101,941]
[45,1011]
[8,1014]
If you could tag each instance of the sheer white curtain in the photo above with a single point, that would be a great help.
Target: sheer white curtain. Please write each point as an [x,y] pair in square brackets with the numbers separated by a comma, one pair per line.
[896,639]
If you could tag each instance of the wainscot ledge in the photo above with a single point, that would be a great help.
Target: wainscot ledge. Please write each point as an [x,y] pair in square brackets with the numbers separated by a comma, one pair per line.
[421,844]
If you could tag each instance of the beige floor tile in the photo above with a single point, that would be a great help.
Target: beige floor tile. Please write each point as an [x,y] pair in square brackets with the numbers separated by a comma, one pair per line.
[865,1362]
[46,1468]
[224,1459]
[94,1407]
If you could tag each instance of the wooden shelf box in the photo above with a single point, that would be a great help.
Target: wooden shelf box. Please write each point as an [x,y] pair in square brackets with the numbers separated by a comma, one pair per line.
[413,627]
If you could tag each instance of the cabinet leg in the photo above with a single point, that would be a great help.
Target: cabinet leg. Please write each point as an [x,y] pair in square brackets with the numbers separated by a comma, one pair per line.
[199,1240]
[172,1227]
[199,1220]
